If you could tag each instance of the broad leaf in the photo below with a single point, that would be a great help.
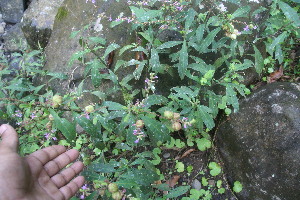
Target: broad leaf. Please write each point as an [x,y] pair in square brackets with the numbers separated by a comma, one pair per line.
[155,100]
[183,60]
[154,61]
[290,13]
[169,44]
[208,40]
[178,191]
[208,120]
[241,12]
[276,42]
[67,128]
[156,130]
[109,49]
[113,105]
[189,18]
[259,61]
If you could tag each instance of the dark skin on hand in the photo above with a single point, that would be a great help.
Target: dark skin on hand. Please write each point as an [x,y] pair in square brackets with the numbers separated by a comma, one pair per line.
[39,176]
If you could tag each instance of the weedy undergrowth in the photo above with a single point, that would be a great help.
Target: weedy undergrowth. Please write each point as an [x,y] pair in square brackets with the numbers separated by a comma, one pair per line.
[121,142]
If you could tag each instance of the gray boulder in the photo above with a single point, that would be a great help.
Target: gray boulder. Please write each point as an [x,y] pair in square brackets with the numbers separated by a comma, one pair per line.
[12,10]
[38,21]
[78,14]
[14,39]
[260,145]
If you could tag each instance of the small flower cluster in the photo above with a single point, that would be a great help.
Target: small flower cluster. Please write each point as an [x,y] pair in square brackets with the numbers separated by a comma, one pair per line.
[250,27]
[231,31]
[50,135]
[18,113]
[84,187]
[222,8]
[150,83]
[138,132]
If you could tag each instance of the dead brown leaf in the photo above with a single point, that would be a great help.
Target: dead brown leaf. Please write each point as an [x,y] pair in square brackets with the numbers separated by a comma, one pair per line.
[274,76]
[173,181]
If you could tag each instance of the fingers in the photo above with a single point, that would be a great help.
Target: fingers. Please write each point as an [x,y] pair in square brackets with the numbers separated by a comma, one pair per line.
[54,166]
[9,137]
[69,190]
[67,175]
[47,154]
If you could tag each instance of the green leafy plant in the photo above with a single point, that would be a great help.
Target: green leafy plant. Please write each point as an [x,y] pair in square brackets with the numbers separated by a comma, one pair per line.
[122,141]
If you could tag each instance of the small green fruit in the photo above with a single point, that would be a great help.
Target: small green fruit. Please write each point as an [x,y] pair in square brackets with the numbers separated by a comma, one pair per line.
[176,126]
[112,187]
[176,116]
[89,109]
[139,124]
[168,114]
[56,101]
[117,195]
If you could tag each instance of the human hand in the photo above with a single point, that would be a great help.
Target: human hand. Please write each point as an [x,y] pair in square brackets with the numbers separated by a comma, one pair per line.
[38,176]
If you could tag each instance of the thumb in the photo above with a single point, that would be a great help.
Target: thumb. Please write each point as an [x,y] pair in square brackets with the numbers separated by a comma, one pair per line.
[9,137]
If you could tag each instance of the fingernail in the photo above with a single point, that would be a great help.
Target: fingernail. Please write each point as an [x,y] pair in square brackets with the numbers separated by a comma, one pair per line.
[3,128]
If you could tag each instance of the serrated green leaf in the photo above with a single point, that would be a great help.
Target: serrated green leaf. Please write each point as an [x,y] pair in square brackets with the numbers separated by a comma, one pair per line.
[109,49]
[141,176]
[238,187]
[113,105]
[200,32]
[183,60]
[169,44]
[276,42]
[156,130]
[67,128]
[178,191]
[154,61]
[189,19]
[231,96]
[119,64]
[125,48]
[155,100]
[146,36]
[208,40]
[138,71]
[278,54]
[290,13]
[78,55]
[145,15]
[88,126]
[241,12]
[208,120]
[97,40]
[104,167]
[259,61]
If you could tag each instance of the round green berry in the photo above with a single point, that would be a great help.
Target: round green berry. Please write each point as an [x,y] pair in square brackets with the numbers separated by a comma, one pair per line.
[112,187]
[168,114]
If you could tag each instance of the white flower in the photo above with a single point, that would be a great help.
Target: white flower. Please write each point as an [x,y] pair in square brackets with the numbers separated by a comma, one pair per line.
[201,6]
[222,8]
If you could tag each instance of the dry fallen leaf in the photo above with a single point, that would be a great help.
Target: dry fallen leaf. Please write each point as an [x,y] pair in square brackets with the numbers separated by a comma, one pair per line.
[188,152]
[173,181]
[274,76]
